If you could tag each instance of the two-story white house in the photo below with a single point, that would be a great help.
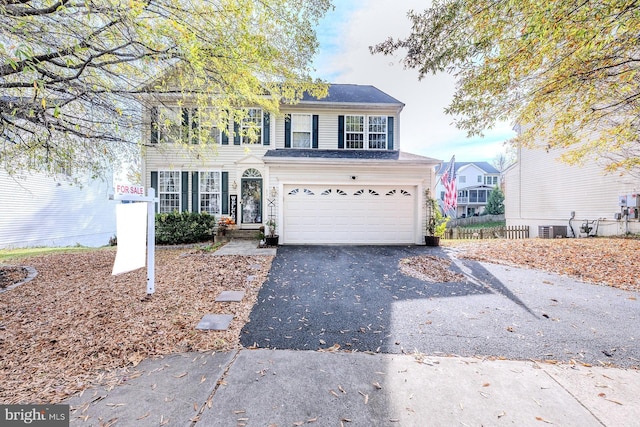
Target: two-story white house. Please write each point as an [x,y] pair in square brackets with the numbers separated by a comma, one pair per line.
[328,171]
[474,182]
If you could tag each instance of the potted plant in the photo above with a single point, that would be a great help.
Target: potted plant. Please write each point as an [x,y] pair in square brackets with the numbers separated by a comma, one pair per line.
[436,222]
[271,239]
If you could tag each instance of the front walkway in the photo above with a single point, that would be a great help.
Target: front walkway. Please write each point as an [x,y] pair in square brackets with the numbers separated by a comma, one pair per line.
[244,247]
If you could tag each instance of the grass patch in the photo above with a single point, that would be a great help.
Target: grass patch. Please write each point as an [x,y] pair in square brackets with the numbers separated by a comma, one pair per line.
[13,254]
[485,225]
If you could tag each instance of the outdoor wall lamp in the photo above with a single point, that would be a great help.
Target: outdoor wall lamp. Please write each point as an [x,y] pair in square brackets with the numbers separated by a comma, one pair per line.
[273,192]
[234,185]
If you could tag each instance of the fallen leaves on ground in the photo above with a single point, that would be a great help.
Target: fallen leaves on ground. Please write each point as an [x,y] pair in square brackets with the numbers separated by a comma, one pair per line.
[75,324]
[430,268]
[609,261]
[11,275]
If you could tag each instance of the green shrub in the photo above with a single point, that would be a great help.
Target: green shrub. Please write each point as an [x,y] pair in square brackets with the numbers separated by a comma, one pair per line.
[184,227]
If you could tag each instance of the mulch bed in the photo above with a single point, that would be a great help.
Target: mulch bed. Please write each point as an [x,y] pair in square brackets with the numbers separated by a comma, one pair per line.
[12,275]
[75,324]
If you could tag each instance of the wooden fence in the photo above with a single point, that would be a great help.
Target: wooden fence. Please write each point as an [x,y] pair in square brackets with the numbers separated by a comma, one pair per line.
[511,232]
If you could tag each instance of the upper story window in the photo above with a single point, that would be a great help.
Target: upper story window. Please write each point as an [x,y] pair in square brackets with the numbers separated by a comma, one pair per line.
[480,178]
[186,125]
[462,179]
[374,132]
[354,132]
[301,130]
[169,191]
[251,126]
[378,132]
[491,180]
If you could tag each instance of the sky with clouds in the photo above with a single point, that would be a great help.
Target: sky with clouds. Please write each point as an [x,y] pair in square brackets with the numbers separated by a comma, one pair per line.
[345,35]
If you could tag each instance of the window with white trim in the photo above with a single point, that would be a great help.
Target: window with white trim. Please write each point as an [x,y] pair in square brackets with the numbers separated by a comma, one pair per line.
[374,132]
[251,126]
[354,132]
[177,124]
[209,131]
[377,132]
[169,191]
[210,192]
[169,124]
[301,130]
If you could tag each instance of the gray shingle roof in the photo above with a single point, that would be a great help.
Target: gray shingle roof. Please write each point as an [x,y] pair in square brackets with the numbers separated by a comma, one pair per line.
[485,166]
[343,154]
[333,154]
[350,93]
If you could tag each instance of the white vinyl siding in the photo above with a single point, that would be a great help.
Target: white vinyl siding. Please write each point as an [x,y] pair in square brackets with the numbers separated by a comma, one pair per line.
[40,210]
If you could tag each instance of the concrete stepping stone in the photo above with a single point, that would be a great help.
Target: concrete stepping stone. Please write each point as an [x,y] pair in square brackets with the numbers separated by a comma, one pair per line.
[215,322]
[230,296]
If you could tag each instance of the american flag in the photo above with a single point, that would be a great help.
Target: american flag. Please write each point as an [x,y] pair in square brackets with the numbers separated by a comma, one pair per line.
[449,182]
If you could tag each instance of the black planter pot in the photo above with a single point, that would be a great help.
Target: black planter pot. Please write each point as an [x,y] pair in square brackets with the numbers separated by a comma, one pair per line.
[432,241]
[271,241]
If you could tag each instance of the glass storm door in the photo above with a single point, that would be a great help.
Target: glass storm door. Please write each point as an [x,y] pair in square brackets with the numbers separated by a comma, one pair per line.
[251,193]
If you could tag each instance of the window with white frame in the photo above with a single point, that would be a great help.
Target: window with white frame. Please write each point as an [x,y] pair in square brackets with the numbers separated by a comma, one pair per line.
[177,124]
[209,131]
[372,129]
[169,124]
[491,180]
[251,126]
[462,179]
[210,192]
[480,178]
[377,132]
[354,132]
[301,130]
[169,191]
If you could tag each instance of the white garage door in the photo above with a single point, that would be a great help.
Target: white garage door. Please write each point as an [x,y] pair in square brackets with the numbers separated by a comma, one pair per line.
[353,214]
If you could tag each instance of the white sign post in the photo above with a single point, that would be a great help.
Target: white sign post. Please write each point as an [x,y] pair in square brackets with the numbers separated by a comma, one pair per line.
[131,219]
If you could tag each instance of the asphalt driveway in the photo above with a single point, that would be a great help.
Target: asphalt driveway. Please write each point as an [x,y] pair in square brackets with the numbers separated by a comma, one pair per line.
[356,297]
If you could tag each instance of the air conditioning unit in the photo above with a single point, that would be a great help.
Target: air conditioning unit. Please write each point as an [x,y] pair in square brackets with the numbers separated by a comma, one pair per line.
[552,231]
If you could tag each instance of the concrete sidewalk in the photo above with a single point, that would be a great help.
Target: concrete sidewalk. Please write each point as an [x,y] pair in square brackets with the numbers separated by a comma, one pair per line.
[292,388]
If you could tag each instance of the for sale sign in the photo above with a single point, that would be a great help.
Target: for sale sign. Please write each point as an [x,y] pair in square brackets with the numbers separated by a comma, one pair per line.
[129,190]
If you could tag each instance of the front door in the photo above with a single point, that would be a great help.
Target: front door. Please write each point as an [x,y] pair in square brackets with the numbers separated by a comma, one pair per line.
[251,193]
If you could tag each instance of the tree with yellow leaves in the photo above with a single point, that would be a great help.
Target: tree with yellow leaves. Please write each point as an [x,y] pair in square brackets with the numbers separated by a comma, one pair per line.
[565,71]
[72,73]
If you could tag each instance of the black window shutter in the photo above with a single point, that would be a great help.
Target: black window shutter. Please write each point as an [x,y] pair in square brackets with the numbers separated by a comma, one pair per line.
[154,184]
[266,129]
[185,126]
[314,132]
[340,131]
[389,133]
[287,131]
[236,133]
[195,127]
[195,197]
[225,134]
[225,193]
[185,191]
[154,125]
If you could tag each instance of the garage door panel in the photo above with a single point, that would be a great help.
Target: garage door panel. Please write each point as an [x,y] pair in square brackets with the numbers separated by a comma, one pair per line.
[349,214]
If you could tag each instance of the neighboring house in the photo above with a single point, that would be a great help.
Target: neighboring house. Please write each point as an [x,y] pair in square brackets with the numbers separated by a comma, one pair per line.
[329,171]
[41,210]
[474,182]
[542,191]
